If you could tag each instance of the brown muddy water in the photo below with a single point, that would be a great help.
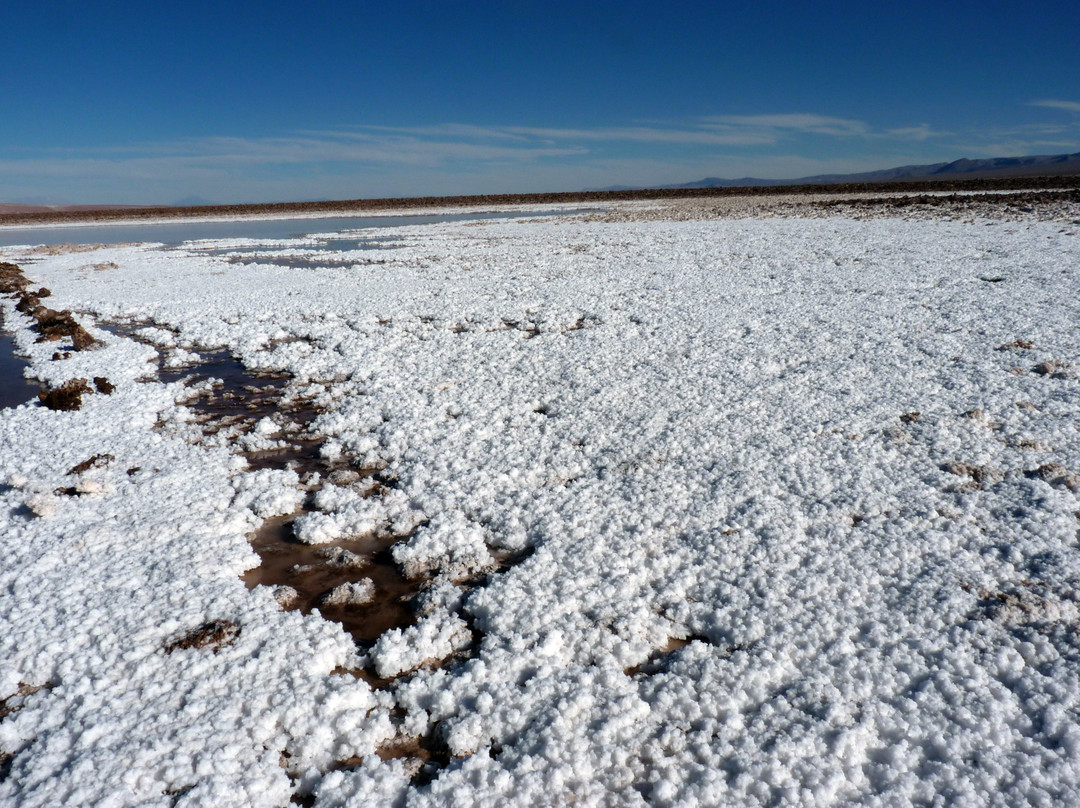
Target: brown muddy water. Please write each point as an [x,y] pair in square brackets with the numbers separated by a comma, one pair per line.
[314,570]
[227,400]
[236,400]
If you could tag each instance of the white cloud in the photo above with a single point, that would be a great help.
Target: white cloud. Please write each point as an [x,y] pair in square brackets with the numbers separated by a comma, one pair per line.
[1018,148]
[642,134]
[457,130]
[453,158]
[920,132]
[1069,106]
[431,146]
[721,130]
[226,152]
[796,122]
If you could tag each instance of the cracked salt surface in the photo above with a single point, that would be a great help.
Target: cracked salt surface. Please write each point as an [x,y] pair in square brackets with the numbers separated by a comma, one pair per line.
[788,502]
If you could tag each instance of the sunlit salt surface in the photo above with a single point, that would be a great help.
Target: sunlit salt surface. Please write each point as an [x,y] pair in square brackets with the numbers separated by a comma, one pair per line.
[749,512]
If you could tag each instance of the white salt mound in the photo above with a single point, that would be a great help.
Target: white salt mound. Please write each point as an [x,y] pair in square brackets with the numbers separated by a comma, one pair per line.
[355,593]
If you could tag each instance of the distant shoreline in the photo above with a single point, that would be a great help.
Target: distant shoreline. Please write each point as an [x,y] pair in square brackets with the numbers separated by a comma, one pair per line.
[85,214]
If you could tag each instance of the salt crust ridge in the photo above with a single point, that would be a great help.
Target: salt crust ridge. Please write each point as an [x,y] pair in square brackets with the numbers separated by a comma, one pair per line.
[695,427]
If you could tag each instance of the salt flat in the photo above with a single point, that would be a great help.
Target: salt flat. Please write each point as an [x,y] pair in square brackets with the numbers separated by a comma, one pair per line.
[704,512]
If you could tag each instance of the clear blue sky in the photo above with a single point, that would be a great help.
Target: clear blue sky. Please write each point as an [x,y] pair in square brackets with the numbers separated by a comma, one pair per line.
[126,102]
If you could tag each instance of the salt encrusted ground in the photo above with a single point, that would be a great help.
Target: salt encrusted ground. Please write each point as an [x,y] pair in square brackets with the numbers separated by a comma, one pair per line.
[838,457]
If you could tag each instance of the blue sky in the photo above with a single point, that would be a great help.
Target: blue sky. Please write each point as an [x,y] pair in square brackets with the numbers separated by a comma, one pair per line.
[124,102]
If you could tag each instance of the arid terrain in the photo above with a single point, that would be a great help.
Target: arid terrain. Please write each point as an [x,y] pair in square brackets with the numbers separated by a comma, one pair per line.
[719,498]
[1064,186]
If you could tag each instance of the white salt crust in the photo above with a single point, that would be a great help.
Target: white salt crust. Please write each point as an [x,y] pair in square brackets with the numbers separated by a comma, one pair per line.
[692,429]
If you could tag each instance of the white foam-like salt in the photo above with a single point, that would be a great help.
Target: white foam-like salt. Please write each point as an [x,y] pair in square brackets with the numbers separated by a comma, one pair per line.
[693,427]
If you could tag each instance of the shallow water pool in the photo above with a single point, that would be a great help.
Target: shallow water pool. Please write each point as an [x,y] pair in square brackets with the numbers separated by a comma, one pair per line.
[15,389]
[177,232]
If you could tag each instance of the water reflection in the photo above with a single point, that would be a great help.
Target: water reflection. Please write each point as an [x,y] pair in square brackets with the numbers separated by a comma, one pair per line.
[15,389]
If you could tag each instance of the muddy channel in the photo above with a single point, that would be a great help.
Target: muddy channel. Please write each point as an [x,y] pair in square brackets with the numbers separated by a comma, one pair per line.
[352,581]
[228,397]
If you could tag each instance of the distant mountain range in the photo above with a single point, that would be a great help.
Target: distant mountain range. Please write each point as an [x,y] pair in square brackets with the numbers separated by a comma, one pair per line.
[192,202]
[49,205]
[34,207]
[1044,165]
[1031,166]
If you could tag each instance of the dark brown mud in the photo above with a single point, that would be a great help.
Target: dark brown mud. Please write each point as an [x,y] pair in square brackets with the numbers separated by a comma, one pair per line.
[659,656]
[9,706]
[1022,201]
[51,326]
[215,635]
[66,397]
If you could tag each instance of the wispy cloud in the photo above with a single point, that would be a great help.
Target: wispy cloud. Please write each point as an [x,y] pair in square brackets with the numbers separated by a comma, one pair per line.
[447,143]
[453,130]
[920,132]
[375,159]
[1063,135]
[1070,106]
[690,135]
[344,148]
[795,122]
[1016,148]
[717,130]
[641,134]
[221,152]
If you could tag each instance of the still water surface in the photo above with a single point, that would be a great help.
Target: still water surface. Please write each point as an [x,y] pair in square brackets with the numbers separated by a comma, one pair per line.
[15,389]
[176,232]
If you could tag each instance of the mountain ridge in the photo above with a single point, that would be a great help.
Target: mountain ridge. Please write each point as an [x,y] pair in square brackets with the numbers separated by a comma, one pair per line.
[1035,165]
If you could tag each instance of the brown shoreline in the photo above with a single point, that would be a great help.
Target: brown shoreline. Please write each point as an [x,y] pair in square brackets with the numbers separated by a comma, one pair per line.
[345,207]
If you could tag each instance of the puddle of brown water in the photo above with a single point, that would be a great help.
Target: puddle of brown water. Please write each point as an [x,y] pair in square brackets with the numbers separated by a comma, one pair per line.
[287,562]
[301,455]
[238,399]
[237,396]
[424,756]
